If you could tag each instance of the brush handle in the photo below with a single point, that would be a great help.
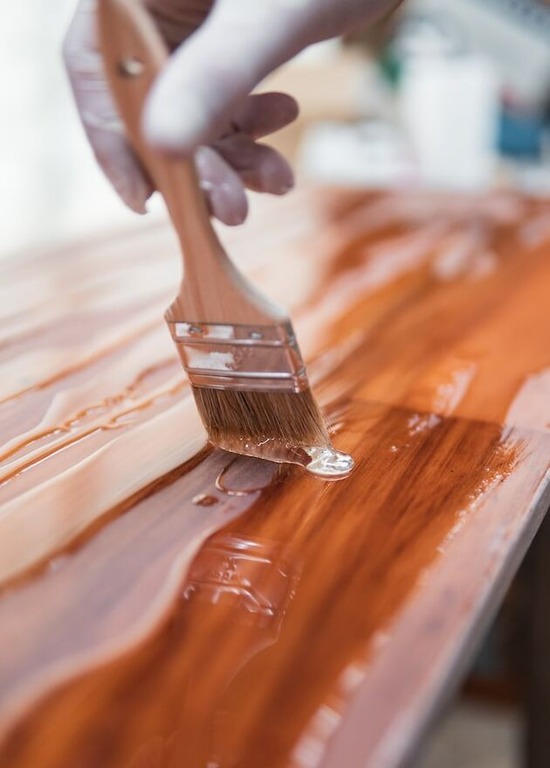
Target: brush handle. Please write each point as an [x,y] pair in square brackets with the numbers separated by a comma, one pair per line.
[212,289]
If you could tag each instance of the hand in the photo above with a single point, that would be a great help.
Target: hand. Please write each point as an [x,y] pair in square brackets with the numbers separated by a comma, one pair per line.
[201,102]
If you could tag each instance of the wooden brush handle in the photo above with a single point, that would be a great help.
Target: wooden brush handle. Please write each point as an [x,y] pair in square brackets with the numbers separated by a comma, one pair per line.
[212,290]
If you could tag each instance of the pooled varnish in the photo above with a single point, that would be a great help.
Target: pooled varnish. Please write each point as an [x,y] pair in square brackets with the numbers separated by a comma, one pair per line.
[165,605]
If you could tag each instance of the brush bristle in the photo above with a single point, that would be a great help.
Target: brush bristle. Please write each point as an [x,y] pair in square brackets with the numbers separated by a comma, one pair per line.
[231,416]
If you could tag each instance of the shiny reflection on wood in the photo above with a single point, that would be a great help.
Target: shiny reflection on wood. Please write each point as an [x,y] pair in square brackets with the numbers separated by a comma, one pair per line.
[169,607]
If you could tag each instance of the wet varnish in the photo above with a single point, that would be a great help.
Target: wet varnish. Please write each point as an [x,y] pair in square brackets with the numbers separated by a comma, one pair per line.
[165,605]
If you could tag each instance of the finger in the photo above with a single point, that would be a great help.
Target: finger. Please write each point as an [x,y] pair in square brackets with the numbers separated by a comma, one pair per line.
[121,167]
[98,113]
[222,186]
[261,168]
[264,113]
[215,70]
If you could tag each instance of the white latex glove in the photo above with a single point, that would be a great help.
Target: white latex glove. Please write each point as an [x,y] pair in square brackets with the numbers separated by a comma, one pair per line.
[201,102]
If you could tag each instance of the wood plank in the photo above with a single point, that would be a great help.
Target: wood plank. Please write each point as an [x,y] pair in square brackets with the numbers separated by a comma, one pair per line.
[168,605]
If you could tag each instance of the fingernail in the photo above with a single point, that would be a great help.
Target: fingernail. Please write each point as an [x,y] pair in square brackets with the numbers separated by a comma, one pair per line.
[285,187]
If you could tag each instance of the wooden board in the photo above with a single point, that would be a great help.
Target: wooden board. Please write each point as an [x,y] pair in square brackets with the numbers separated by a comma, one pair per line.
[165,605]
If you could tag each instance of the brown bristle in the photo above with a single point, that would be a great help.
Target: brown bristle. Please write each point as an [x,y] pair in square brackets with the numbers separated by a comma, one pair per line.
[292,418]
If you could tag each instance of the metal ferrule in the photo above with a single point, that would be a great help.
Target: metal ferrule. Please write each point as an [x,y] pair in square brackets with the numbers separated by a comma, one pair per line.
[241,357]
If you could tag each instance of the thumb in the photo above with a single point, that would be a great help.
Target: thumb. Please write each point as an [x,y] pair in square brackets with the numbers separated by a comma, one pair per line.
[216,68]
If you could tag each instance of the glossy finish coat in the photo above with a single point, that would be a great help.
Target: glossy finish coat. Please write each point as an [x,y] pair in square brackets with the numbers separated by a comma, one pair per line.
[169,606]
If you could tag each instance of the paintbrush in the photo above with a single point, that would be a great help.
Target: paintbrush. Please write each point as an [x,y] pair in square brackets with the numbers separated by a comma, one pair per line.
[239,350]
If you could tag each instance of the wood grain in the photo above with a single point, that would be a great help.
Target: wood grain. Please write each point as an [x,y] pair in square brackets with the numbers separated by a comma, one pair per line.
[168,605]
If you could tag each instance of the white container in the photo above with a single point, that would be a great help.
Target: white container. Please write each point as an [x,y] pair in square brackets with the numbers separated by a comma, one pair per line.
[449,108]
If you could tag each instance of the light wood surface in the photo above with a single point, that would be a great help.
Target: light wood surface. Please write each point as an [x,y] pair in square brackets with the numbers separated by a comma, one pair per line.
[169,606]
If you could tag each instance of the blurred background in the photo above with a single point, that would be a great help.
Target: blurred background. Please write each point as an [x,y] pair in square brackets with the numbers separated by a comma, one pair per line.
[451,94]
[50,188]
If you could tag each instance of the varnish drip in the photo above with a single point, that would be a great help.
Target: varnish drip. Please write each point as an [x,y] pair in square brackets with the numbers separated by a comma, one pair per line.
[328,463]
[322,461]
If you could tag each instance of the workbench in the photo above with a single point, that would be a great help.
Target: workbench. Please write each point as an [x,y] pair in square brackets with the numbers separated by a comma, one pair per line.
[167,605]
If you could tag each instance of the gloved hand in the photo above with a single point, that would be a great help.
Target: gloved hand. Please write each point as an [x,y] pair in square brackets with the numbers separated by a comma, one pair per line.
[201,103]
